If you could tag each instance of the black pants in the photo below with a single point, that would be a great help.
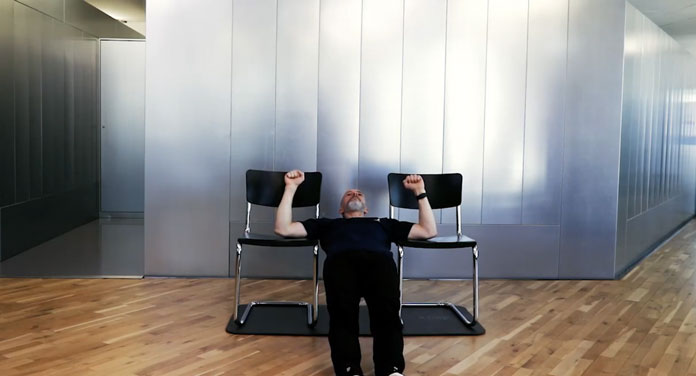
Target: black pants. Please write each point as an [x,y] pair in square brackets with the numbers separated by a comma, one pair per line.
[348,276]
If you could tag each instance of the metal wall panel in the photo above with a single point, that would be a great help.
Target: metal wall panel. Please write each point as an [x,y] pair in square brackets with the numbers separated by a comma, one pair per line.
[296,85]
[46,69]
[53,105]
[422,105]
[69,92]
[93,112]
[653,104]
[411,94]
[592,139]
[465,93]
[122,125]
[339,100]
[656,125]
[35,56]
[543,134]
[645,92]
[83,121]
[295,61]
[631,113]
[628,135]
[253,96]
[7,127]
[423,86]
[505,108]
[22,43]
[187,138]
[380,100]
[647,74]
[52,78]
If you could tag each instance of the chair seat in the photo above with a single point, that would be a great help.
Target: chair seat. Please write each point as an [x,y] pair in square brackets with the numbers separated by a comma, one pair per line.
[274,241]
[441,242]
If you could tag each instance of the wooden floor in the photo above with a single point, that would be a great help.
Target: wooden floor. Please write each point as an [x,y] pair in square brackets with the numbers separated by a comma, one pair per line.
[644,324]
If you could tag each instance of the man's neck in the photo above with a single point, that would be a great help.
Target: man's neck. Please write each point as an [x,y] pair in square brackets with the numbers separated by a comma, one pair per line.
[354,214]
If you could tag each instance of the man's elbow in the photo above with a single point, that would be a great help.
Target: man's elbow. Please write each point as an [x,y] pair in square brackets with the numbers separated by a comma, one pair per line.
[431,233]
[423,233]
[281,231]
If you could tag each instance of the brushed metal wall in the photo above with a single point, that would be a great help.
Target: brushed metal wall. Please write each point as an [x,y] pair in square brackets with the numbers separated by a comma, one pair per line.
[52,70]
[48,81]
[467,86]
[380,99]
[657,176]
[591,145]
[465,98]
[510,94]
[55,81]
[48,110]
[339,100]
[187,137]
[7,152]
[503,145]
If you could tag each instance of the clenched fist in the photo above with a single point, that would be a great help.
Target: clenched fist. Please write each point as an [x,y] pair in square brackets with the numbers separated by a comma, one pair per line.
[415,184]
[294,178]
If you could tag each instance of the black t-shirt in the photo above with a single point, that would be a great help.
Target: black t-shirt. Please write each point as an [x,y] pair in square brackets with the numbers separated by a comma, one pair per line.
[356,234]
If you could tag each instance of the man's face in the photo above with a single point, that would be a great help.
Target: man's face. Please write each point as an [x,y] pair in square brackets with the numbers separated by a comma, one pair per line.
[353,201]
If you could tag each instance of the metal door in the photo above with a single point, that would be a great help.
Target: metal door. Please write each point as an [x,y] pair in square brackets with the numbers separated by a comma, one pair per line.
[122,126]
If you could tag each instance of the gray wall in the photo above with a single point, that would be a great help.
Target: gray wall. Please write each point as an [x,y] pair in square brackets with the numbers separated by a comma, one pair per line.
[658,166]
[522,97]
[48,119]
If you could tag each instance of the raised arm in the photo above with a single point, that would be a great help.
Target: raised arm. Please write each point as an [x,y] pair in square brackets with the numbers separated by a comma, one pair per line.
[284,226]
[426,227]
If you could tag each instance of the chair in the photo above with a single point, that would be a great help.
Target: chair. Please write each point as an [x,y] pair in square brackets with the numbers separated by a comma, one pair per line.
[444,191]
[266,188]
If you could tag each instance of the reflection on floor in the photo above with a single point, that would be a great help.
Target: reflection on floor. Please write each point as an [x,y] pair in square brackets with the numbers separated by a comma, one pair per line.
[102,248]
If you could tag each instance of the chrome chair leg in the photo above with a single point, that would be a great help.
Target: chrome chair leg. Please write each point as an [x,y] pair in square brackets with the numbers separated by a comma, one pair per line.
[400,266]
[476,283]
[312,309]
[315,307]
[237,281]
[448,305]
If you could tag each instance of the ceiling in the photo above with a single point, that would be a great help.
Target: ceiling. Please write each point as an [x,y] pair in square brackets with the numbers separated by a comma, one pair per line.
[676,17]
[130,12]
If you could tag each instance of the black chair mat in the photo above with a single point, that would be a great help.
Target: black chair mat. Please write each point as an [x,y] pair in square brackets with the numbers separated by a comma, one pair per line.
[292,321]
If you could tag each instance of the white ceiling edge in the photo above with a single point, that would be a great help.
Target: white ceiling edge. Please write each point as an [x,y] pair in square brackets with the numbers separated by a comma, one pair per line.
[129,12]
[138,26]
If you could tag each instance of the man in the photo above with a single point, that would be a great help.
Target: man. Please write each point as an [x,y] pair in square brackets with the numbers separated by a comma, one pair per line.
[359,264]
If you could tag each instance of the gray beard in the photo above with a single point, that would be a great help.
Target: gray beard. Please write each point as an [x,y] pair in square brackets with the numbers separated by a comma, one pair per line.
[355,206]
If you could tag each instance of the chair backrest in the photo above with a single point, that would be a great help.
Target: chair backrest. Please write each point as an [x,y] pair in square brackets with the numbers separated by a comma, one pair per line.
[266,188]
[444,191]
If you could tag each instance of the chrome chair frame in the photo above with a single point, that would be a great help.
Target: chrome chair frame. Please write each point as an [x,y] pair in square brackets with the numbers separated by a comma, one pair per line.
[451,306]
[312,308]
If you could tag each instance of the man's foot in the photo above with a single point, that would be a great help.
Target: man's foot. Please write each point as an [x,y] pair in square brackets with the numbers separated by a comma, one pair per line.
[354,371]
